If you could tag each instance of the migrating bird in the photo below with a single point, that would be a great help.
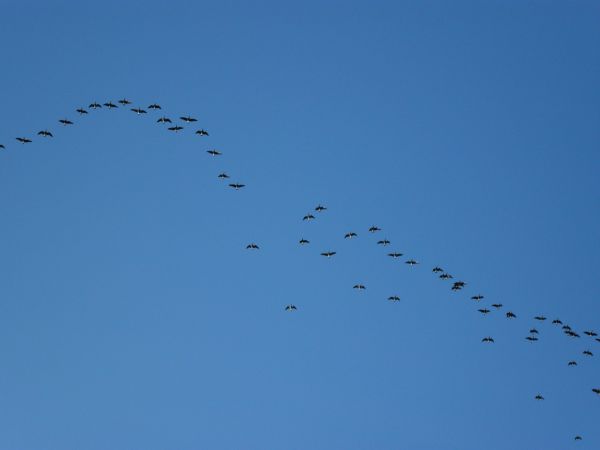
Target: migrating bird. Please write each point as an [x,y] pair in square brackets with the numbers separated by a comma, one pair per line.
[214,152]
[572,363]
[534,331]
[81,111]
[497,305]
[23,140]
[374,229]
[477,297]
[45,133]
[360,287]
[557,322]
[176,128]
[487,339]
[566,327]
[110,105]
[2,147]
[124,102]
[597,339]
[291,308]
[236,186]
[588,353]
[154,106]
[395,255]
[571,333]
[223,176]
[511,315]
[65,122]
[578,438]
[446,276]
[411,262]
[541,318]
[308,217]
[303,241]
[384,242]
[350,235]
[138,111]
[202,133]
[437,269]
[484,311]
[95,105]
[596,391]
[590,333]
[188,119]
[164,120]
[252,246]
[320,208]
[531,338]
[394,298]
[539,397]
[328,254]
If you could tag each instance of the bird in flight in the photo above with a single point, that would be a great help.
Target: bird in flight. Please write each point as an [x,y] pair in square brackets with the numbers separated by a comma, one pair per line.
[188,119]
[590,333]
[437,269]
[176,128]
[383,242]
[394,298]
[374,229]
[81,111]
[23,140]
[511,315]
[95,105]
[596,391]
[484,311]
[223,176]
[446,276]
[540,318]
[236,186]
[477,297]
[578,438]
[214,152]
[350,235]
[164,120]
[557,322]
[534,331]
[328,254]
[303,241]
[320,208]
[65,122]
[571,333]
[252,246]
[395,254]
[2,147]
[308,217]
[566,327]
[291,308]
[572,363]
[138,111]
[154,106]
[411,262]
[539,397]
[531,338]
[360,287]
[45,133]
[588,353]
[497,305]
[202,133]
[124,102]
[487,339]
[110,105]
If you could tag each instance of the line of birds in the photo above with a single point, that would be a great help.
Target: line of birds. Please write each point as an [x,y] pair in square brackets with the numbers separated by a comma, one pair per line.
[438,271]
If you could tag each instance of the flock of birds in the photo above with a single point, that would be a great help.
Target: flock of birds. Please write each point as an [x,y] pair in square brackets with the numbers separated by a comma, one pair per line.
[187,121]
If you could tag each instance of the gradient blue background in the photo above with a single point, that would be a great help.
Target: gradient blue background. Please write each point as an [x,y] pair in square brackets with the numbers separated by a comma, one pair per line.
[131,317]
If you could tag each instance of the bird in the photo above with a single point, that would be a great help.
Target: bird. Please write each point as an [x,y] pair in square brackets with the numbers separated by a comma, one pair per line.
[477,297]
[214,152]
[320,208]
[23,140]
[411,262]
[308,217]
[578,438]
[202,133]
[65,122]
[236,186]
[557,322]
[291,308]
[446,276]
[596,391]
[571,334]
[566,327]
[81,111]
[138,111]
[164,120]
[110,105]
[328,254]
[124,101]
[95,105]
[437,269]
[45,133]
[2,147]
[487,339]
[534,331]
[395,255]
[303,241]
[531,338]
[374,229]
[394,298]
[497,305]
[572,363]
[383,242]
[588,353]
[176,128]
[597,339]
[540,318]
[539,397]
[252,246]
[484,311]
[154,106]
[360,287]
[188,119]
[590,333]
[223,176]
[456,287]
[511,315]
[350,235]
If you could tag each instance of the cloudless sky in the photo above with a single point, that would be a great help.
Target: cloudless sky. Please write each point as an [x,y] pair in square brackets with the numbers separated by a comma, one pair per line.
[131,315]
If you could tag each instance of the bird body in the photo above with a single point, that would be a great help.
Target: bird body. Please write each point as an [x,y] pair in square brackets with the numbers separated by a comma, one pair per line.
[236,186]
[350,235]
[291,308]
[328,254]
[202,133]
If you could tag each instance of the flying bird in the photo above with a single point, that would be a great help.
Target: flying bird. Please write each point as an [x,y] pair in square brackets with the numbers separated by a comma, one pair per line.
[308,217]
[566,327]
[320,208]
[588,353]
[590,333]
[45,133]
[394,298]
[164,120]
[477,297]
[291,308]
[176,128]
[350,235]
[437,269]
[497,305]
[65,122]
[534,331]
[484,311]
[2,147]
[395,255]
[557,322]
[383,242]
[81,111]
[446,276]
[214,152]
[531,338]
[487,339]
[95,105]
[23,140]
[328,254]
[572,363]
[539,397]
[110,105]
[202,133]
[223,176]
[374,229]
[252,246]
[154,106]
[360,287]
[303,241]
[411,262]
[541,318]
[139,111]
[511,315]
[124,101]
[578,438]
[236,186]
[596,391]
[188,119]
[571,333]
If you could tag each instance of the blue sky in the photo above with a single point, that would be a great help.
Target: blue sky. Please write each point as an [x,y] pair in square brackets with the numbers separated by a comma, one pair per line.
[131,315]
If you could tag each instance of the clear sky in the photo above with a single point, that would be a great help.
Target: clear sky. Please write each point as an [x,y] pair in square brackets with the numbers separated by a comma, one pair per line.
[131,315]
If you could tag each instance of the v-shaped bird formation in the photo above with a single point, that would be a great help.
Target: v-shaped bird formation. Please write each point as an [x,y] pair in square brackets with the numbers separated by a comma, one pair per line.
[439,272]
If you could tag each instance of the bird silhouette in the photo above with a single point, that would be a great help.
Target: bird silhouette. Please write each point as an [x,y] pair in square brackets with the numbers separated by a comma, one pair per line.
[164,120]
[303,241]
[291,308]
[223,176]
[540,318]
[446,276]
[394,298]
[308,217]
[252,246]
[437,269]
[374,229]
[236,186]
[176,128]
[360,287]
[533,331]
[328,254]
[384,242]
[81,111]
[497,305]
[124,102]
[23,140]
[320,208]
[214,152]
[572,363]
[139,111]
[539,397]
[578,438]
[154,106]
[511,315]
[2,146]
[588,353]
[557,322]
[395,254]
[202,133]
[45,133]
[411,262]
[487,339]
[477,297]
[188,119]
[590,333]
[95,105]
[350,235]
[484,311]
[596,391]
[110,105]
[531,338]
[65,122]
